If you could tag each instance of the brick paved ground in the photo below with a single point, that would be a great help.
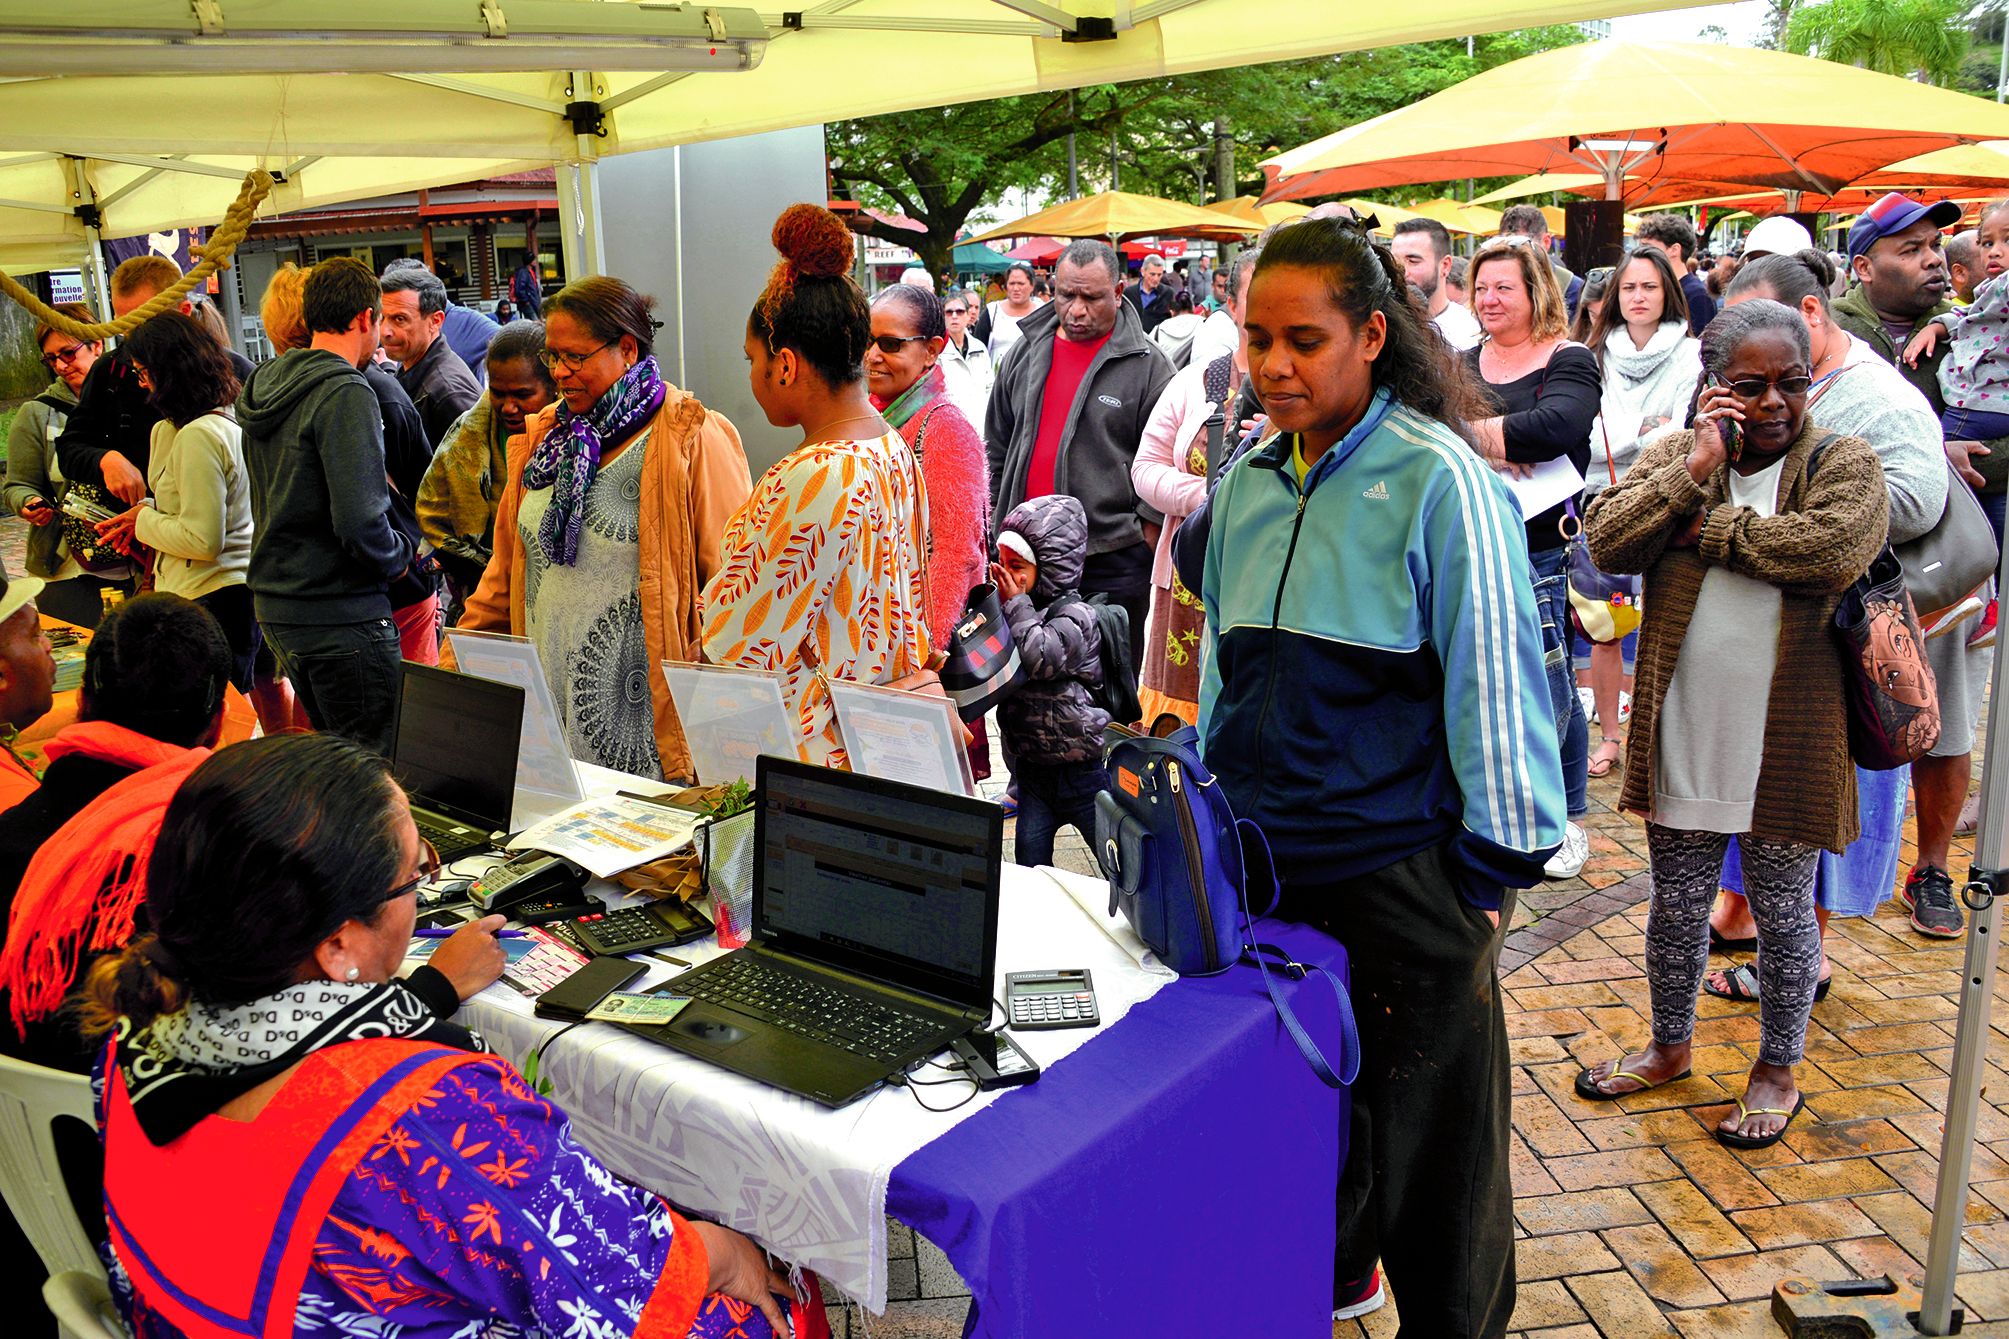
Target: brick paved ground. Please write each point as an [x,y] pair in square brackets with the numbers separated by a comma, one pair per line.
[1632,1220]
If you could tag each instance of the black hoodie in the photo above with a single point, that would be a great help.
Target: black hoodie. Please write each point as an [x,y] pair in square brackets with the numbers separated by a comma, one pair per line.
[314,448]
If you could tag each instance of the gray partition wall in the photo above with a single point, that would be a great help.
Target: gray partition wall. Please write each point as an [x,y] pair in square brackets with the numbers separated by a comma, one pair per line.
[690,226]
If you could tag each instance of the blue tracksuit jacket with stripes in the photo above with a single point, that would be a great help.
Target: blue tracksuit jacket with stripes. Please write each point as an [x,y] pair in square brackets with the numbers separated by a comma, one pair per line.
[1376,684]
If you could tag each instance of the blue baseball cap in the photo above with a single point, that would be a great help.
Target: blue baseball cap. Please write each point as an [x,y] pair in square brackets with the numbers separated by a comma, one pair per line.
[1894,213]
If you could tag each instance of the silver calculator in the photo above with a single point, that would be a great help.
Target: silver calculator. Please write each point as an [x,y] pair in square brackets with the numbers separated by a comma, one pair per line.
[1039,1000]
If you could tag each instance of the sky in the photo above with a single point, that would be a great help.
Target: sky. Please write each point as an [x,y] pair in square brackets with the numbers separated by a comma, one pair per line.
[1742,21]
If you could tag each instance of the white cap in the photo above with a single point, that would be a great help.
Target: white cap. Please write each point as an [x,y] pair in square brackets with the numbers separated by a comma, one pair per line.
[1777,236]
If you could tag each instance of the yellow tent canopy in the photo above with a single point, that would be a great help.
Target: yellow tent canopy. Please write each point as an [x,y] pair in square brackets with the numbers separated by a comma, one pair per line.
[1716,113]
[1457,216]
[1121,214]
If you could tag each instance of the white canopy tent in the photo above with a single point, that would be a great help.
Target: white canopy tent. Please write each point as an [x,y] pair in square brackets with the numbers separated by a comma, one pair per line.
[140,109]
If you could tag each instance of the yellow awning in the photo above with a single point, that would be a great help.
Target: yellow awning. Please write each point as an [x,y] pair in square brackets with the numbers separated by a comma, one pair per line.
[1458,216]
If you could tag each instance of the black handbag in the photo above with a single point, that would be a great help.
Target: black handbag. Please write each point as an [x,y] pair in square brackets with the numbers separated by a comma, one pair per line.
[983,667]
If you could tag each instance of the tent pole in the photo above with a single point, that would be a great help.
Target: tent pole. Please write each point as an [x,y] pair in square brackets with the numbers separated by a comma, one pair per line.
[1986,879]
[99,291]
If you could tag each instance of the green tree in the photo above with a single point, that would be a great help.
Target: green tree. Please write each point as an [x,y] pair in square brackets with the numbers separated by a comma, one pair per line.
[938,166]
[1924,39]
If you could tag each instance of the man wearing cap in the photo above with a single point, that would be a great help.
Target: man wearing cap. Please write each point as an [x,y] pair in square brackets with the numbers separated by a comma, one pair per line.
[1897,260]
[1776,236]
[27,678]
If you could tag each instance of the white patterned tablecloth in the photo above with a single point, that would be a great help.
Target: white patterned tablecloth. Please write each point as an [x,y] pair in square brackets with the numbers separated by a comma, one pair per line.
[806,1182]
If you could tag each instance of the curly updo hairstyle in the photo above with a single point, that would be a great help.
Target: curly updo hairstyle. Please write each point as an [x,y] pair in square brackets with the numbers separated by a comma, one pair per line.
[811,304]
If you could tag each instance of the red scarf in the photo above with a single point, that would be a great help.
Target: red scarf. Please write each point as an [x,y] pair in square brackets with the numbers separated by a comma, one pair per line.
[86,883]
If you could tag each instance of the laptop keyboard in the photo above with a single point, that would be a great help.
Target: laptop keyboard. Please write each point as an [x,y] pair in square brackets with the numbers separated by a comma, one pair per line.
[805,1006]
[448,838]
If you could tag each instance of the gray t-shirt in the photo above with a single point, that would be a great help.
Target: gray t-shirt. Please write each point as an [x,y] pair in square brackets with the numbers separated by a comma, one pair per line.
[586,620]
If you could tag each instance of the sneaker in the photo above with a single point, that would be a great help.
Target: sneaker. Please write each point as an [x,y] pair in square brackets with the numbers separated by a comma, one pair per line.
[1949,619]
[1984,631]
[1589,700]
[1970,816]
[1934,909]
[1568,861]
[1354,1300]
[1624,706]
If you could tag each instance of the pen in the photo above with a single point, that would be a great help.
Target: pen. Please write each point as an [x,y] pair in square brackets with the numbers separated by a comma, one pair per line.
[443,934]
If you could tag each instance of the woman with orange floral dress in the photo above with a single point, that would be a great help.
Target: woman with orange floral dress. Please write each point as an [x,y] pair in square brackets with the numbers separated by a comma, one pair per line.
[822,573]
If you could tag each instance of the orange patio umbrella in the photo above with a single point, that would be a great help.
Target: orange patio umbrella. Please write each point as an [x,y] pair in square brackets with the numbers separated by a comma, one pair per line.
[1687,111]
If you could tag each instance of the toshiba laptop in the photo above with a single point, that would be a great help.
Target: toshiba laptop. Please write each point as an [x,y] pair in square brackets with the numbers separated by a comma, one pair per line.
[875,928]
[455,755]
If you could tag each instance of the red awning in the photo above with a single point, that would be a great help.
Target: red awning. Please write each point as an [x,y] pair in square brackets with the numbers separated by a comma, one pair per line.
[1039,251]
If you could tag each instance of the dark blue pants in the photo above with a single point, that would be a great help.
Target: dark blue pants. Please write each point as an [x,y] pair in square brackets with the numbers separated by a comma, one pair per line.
[1050,796]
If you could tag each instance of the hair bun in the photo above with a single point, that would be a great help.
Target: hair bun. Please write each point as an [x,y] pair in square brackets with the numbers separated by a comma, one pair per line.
[813,241]
[1817,261]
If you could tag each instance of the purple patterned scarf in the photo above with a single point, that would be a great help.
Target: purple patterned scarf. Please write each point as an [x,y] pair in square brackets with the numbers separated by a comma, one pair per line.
[569,456]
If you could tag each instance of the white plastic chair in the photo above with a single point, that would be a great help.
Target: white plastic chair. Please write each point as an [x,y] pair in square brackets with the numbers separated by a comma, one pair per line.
[82,1305]
[32,1098]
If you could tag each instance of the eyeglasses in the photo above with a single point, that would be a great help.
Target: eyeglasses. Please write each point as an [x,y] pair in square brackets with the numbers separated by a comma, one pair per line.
[66,355]
[1600,274]
[955,311]
[890,345]
[573,361]
[1751,388]
[429,873]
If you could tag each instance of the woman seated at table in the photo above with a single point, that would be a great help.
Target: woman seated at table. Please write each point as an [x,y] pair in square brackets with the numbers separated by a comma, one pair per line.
[198,518]
[823,571]
[387,1173]
[609,524]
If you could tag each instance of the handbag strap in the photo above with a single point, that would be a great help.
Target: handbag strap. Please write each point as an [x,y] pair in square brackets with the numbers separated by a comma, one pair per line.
[1260,953]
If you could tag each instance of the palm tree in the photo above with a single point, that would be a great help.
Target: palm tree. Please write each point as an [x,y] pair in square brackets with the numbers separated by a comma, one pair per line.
[1922,39]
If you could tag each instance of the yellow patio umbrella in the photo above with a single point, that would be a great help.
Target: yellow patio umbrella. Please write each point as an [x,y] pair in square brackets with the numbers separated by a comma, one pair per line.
[1457,216]
[1246,209]
[1120,214]
[1712,113]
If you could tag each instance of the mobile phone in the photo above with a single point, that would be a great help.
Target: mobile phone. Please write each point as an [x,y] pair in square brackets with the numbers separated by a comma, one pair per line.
[1728,428]
[571,998]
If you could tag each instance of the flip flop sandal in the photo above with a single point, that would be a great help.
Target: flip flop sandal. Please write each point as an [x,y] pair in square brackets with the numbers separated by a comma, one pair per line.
[1743,980]
[1586,1086]
[1602,766]
[1718,944]
[1731,1139]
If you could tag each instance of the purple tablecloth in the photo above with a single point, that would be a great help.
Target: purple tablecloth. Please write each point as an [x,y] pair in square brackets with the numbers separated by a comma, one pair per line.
[1173,1177]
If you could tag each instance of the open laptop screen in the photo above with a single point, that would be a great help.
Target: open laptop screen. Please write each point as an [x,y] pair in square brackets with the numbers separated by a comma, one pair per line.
[892,881]
[456,744]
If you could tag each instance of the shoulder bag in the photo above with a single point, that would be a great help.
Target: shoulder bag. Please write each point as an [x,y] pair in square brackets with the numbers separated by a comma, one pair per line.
[1605,605]
[1893,699]
[1174,854]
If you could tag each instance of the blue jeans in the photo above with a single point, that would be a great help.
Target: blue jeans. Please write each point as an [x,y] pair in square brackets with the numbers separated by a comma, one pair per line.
[1552,605]
[1051,795]
[346,675]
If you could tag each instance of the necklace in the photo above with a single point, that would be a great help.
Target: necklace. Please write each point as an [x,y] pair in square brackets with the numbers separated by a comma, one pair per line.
[822,434]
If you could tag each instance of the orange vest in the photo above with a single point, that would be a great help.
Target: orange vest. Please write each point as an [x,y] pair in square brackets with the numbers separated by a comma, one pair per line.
[260,1189]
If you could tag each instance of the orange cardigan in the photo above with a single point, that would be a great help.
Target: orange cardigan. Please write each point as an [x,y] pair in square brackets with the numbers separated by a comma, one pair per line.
[694,478]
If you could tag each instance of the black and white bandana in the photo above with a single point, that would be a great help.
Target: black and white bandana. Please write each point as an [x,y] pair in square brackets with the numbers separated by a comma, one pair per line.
[183,1067]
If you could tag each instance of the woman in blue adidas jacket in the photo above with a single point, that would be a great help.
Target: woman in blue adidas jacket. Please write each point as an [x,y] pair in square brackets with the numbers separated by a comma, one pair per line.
[1375,700]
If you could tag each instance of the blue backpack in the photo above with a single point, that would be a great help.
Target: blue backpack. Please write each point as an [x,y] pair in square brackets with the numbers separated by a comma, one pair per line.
[1175,856]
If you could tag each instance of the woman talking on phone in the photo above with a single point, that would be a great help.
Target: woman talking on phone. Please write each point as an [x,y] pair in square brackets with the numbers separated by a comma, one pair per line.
[1739,722]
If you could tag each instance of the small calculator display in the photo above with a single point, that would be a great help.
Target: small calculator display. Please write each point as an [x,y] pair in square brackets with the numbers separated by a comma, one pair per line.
[1057,999]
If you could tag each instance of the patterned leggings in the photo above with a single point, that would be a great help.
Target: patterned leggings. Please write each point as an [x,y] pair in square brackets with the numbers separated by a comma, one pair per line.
[1779,881]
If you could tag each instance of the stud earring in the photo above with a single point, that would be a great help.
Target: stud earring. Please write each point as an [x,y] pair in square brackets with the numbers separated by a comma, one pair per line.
[352,974]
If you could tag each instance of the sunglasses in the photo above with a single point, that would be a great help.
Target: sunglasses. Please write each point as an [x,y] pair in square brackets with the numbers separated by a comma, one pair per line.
[1600,274]
[65,355]
[1751,388]
[890,345]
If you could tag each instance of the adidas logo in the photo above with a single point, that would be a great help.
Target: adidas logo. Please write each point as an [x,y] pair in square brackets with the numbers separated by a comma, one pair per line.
[1379,492]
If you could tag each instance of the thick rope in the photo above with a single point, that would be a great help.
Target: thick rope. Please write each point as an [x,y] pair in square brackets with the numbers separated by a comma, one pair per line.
[214,255]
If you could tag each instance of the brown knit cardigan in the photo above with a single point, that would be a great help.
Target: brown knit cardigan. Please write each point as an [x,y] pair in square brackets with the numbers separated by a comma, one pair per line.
[1827,531]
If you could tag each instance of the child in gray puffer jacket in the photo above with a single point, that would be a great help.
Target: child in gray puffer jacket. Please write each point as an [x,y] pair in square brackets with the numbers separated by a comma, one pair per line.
[1051,727]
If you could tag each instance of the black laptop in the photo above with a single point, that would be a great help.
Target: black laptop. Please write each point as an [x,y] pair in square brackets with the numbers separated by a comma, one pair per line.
[455,755]
[875,930]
